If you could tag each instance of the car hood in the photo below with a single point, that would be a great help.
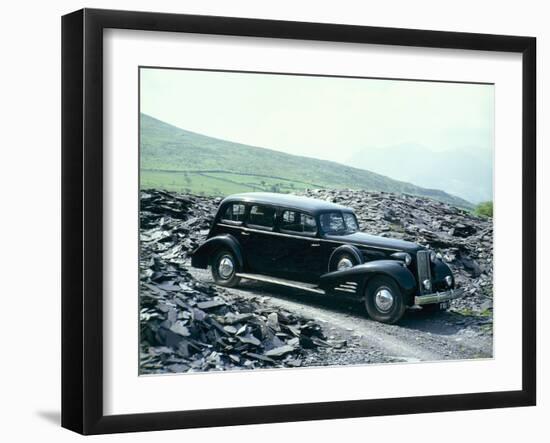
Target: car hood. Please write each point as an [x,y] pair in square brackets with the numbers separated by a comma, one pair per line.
[376,241]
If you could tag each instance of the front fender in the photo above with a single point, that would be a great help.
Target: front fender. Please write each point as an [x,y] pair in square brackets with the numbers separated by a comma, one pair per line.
[201,256]
[361,274]
[440,270]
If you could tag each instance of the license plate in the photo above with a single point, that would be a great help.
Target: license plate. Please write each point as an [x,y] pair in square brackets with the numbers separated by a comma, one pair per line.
[444,305]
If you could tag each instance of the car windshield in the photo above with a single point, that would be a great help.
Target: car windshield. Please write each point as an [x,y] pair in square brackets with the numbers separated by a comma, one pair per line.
[339,223]
[351,222]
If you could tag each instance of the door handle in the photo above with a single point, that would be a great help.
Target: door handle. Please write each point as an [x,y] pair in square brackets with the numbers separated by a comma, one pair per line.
[245,233]
[315,245]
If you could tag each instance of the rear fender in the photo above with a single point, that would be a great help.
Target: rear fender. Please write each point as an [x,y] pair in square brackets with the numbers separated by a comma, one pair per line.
[204,253]
[361,274]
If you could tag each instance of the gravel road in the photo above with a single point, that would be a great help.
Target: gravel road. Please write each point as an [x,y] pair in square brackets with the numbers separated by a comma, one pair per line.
[418,336]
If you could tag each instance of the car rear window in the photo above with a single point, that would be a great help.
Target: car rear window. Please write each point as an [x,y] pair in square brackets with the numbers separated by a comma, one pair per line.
[295,221]
[234,213]
[261,216]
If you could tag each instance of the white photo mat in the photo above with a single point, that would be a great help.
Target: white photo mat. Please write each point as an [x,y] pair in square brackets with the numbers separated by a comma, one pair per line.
[125,392]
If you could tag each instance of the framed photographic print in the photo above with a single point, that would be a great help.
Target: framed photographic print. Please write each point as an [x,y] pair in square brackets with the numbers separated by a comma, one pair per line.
[269,221]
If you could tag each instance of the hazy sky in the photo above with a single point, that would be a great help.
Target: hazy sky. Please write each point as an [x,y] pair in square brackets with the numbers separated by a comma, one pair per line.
[328,118]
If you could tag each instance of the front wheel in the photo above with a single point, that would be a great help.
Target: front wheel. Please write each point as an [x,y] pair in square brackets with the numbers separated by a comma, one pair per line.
[224,269]
[384,300]
[342,261]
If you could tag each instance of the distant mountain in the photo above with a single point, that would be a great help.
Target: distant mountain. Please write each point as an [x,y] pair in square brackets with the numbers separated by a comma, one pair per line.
[179,160]
[466,172]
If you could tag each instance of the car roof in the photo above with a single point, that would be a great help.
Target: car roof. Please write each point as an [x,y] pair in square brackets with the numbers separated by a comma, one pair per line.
[286,200]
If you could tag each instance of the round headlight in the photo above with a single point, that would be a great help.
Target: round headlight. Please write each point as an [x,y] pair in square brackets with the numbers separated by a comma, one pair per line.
[449,280]
[427,285]
[407,259]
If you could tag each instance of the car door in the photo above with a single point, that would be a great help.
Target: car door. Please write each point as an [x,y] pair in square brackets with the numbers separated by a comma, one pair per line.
[261,248]
[300,255]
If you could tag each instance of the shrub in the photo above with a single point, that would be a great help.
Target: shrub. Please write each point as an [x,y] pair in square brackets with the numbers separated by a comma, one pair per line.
[484,209]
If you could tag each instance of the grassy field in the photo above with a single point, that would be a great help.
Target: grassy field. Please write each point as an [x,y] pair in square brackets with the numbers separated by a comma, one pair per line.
[178,160]
[217,184]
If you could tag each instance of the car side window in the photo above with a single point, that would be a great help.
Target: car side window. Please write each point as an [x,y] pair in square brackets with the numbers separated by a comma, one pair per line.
[295,221]
[263,216]
[234,213]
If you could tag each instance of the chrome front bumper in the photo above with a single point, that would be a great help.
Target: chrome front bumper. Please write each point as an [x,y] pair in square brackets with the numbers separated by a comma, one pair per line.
[438,297]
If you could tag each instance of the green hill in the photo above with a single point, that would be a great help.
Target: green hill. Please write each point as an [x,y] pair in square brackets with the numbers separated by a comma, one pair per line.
[179,160]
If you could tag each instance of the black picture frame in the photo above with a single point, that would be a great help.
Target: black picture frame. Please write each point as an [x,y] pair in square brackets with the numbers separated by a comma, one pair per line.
[82,215]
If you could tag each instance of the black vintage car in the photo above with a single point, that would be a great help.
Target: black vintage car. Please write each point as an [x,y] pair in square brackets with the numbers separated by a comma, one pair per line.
[316,246]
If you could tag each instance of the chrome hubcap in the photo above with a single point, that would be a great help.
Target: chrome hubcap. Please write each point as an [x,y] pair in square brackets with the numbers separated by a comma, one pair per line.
[344,263]
[383,299]
[225,267]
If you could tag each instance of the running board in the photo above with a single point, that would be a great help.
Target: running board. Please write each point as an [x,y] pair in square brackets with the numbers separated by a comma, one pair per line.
[282,282]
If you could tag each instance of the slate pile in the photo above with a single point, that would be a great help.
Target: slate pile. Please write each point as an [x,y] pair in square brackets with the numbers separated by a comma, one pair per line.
[187,325]
[172,225]
[190,326]
[464,240]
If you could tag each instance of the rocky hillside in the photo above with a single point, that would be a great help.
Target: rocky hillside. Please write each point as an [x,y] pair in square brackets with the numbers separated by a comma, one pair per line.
[187,325]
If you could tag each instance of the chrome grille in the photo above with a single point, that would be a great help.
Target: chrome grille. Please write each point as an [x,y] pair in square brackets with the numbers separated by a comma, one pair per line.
[423,269]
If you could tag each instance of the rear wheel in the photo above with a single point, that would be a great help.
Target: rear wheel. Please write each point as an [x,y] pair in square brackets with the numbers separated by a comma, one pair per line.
[225,268]
[384,300]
